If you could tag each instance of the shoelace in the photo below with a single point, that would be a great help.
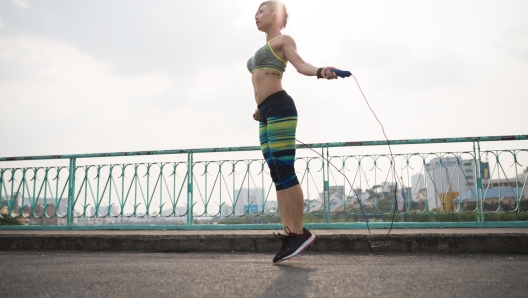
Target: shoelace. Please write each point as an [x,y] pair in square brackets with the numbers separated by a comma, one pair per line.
[279,236]
[287,230]
[292,239]
[285,241]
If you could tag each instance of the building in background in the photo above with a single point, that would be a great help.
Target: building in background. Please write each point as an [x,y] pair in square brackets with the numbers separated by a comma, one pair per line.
[248,199]
[508,197]
[227,209]
[417,183]
[446,178]
[336,197]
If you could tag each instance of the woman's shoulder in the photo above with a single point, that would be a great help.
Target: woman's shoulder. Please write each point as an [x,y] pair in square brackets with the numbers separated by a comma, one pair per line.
[286,40]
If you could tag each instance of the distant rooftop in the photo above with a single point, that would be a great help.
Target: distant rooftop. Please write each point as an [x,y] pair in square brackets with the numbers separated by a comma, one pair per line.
[499,192]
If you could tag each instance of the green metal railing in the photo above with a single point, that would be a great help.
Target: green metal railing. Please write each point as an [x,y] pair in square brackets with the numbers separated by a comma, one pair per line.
[438,189]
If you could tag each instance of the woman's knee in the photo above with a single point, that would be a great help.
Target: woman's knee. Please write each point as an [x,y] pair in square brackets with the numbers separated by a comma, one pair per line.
[287,176]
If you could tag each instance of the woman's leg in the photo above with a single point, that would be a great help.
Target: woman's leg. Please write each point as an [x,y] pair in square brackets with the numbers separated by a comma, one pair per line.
[285,213]
[295,202]
[281,142]
[281,124]
[291,206]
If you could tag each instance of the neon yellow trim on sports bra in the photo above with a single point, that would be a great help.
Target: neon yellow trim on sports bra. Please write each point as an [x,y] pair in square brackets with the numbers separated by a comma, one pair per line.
[271,49]
[266,68]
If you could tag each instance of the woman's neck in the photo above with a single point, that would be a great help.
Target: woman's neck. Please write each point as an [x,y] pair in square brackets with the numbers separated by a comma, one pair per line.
[272,33]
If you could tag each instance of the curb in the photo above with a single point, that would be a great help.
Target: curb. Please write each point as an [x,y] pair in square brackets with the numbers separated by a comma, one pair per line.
[434,243]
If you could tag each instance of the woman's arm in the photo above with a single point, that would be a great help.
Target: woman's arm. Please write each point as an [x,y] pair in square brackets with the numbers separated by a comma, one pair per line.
[290,51]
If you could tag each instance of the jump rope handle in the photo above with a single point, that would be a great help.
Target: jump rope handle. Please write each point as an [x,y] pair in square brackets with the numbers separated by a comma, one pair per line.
[341,73]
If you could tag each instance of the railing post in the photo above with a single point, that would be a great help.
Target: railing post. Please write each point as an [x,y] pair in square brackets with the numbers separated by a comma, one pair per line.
[479,199]
[479,184]
[517,194]
[71,191]
[326,187]
[190,181]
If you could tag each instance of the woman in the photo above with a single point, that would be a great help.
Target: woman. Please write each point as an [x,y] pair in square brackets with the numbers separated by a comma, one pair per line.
[277,118]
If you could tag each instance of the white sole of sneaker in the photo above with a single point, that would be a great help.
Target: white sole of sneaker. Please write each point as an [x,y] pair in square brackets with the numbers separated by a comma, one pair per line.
[300,249]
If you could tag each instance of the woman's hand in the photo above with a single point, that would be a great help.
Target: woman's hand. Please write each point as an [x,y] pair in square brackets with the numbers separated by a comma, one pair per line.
[256,115]
[327,74]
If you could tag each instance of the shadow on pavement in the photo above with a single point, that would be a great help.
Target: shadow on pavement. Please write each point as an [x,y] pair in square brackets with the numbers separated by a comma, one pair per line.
[292,277]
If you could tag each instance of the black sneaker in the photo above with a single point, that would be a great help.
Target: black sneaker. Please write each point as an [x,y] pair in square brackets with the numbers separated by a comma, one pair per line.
[298,243]
[285,240]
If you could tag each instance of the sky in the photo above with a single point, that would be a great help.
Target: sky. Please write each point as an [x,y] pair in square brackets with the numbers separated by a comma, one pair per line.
[107,76]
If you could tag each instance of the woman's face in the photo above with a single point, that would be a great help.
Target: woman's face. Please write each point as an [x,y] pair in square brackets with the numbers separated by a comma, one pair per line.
[264,18]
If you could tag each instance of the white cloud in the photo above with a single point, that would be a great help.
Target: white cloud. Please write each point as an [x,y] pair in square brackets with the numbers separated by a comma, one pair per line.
[67,101]
[514,43]
[21,3]
[64,95]
[2,27]
[67,75]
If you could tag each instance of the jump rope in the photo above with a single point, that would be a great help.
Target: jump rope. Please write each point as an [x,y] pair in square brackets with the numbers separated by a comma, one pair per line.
[368,240]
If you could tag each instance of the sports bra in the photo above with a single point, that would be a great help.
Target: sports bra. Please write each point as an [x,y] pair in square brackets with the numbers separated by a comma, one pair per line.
[265,58]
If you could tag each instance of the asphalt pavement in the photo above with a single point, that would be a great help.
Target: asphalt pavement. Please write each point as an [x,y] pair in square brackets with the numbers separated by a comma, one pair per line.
[238,274]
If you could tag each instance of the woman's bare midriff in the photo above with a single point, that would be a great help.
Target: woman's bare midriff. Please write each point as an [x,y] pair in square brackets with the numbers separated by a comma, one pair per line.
[265,83]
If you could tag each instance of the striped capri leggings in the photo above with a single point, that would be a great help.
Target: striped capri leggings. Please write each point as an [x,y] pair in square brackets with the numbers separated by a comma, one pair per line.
[277,125]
